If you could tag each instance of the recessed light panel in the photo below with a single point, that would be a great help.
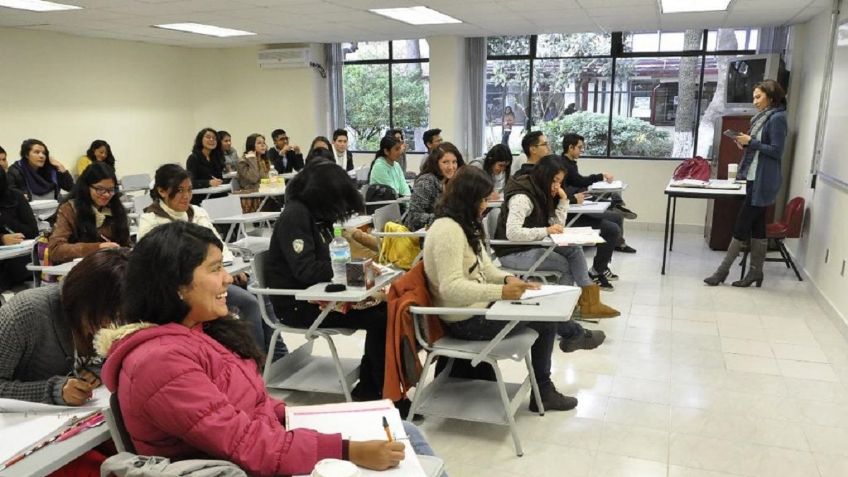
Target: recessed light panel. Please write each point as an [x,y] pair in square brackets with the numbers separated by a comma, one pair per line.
[416,15]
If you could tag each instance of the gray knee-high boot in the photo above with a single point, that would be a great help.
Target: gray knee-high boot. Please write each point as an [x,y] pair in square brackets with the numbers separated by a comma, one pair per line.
[724,268]
[755,272]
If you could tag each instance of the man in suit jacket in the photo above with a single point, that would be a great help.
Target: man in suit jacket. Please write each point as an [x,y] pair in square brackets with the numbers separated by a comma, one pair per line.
[344,158]
[284,157]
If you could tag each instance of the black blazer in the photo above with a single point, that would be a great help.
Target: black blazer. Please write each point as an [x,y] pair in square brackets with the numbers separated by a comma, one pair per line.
[292,162]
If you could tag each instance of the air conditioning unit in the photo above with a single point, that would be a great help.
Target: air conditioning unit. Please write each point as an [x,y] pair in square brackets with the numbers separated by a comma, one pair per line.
[284,58]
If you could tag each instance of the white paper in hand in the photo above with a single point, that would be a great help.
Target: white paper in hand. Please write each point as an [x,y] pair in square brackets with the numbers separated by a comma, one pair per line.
[545,290]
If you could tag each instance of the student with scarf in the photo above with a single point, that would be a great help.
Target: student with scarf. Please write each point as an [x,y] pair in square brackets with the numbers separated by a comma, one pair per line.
[37,175]
[92,218]
[760,167]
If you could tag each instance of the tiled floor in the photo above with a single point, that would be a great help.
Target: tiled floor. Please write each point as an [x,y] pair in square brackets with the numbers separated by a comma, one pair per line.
[692,381]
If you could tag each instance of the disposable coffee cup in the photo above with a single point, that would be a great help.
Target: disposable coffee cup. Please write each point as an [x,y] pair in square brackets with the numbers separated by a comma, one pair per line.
[335,468]
[731,171]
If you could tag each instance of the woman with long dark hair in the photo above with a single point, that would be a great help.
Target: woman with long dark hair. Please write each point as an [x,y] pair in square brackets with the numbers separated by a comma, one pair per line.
[319,196]
[37,175]
[386,169]
[98,151]
[497,163]
[92,218]
[228,152]
[172,194]
[535,206]
[17,223]
[46,333]
[439,167]
[253,166]
[210,398]
[206,162]
[461,274]
[760,167]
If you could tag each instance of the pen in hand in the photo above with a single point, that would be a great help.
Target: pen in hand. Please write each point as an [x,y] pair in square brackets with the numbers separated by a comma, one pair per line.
[388,431]
[536,303]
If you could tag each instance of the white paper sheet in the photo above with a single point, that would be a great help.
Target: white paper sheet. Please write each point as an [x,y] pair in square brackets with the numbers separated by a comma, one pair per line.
[545,290]
[577,236]
[614,185]
[20,432]
[358,421]
[25,244]
[99,400]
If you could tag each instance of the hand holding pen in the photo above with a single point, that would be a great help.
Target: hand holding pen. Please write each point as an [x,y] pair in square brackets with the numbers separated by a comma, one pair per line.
[10,237]
[107,243]
[79,388]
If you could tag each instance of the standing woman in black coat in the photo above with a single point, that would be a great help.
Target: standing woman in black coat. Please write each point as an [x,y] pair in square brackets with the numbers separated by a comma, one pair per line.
[205,165]
[17,223]
[760,167]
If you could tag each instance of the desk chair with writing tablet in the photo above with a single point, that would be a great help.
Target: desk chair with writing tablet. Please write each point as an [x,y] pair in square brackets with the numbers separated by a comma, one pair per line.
[300,370]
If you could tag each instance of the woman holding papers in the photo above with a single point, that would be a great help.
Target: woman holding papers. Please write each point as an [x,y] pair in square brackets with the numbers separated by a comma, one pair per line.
[171,194]
[535,206]
[17,223]
[93,217]
[439,167]
[461,274]
[46,353]
[186,371]
[760,166]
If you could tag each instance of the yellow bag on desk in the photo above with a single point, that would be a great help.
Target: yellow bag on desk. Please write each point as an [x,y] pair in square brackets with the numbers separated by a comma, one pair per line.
[399,251]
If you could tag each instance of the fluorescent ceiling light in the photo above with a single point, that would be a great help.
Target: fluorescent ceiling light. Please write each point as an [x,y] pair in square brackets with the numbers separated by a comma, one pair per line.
[681,6]
[37,5]
[201,29]
[416,15]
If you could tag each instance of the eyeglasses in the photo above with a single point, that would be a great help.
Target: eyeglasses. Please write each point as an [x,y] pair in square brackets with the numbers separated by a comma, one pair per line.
[542,144]
[104,191]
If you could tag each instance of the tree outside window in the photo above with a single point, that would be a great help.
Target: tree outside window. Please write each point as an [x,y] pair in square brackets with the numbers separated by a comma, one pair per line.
[386,85]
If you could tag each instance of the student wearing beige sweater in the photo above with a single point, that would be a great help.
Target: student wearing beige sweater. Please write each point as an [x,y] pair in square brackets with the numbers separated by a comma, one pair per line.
[461,274]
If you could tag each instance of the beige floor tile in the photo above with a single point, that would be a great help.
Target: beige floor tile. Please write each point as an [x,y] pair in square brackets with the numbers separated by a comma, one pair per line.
[751,364]
[694,327]
[614,465]
[641,390]
[806,370]
[799,352]
[746,347]
[637,413]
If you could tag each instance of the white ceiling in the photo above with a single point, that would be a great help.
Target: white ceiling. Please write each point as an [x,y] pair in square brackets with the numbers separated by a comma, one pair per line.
[324,21]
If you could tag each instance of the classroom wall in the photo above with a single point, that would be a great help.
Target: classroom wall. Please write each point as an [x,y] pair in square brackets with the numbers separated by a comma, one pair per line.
[826,223]
[68,90]
[147,101]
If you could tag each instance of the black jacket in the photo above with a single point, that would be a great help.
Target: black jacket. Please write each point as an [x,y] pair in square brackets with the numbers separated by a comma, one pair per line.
[16,214]
[523,170]
[299,255]
[202,171]
[293,161]
[573,179]
[65,181]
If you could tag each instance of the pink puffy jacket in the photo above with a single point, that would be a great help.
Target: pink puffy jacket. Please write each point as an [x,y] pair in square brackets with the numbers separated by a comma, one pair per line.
[185,395]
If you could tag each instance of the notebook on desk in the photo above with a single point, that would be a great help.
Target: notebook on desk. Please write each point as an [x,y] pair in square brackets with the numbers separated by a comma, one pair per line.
[577,236]
[358,421]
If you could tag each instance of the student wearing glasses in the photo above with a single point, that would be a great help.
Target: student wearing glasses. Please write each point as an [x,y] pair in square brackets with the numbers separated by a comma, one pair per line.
[284,157]
[91,219]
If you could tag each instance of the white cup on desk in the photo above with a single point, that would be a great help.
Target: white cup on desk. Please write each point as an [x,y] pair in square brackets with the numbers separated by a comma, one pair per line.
[731,171]
[335,468]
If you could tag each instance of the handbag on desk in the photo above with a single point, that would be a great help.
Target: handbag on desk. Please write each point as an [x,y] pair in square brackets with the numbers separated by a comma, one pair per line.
[696,168]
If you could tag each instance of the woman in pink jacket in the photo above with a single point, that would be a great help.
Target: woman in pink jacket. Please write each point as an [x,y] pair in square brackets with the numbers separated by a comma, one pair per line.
[186,372]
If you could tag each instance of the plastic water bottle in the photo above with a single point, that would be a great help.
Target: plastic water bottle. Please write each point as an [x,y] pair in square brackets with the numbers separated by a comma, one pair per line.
[339,255]
[272,174]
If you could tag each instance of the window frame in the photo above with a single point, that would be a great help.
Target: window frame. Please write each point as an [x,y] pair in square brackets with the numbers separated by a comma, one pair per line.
[388,62]
[617,53]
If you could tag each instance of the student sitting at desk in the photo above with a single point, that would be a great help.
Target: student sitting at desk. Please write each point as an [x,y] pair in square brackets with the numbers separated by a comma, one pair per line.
[319,196]
[497,163]
[171,194]
[209,399]
[386,170]
[439,167]
[535,206]
[99,151]
[230,154]
[17,223]
[93,217]
[252,167]
[46,353]
[206,162]
[38,175]
[461,274]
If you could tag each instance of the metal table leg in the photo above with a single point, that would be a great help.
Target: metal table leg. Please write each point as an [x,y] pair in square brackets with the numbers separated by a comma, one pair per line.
[665,237]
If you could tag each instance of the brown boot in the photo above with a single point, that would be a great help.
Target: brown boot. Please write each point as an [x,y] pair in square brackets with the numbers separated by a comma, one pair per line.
[590,304]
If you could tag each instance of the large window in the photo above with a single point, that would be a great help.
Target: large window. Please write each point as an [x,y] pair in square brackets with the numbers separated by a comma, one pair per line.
[386,85]
[635,94]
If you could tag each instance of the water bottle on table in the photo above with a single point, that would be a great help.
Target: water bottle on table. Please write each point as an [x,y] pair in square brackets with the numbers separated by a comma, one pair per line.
[339,255]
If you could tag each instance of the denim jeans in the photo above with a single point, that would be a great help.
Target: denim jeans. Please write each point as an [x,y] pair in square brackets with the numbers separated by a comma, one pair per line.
[418,441]
[569,261]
